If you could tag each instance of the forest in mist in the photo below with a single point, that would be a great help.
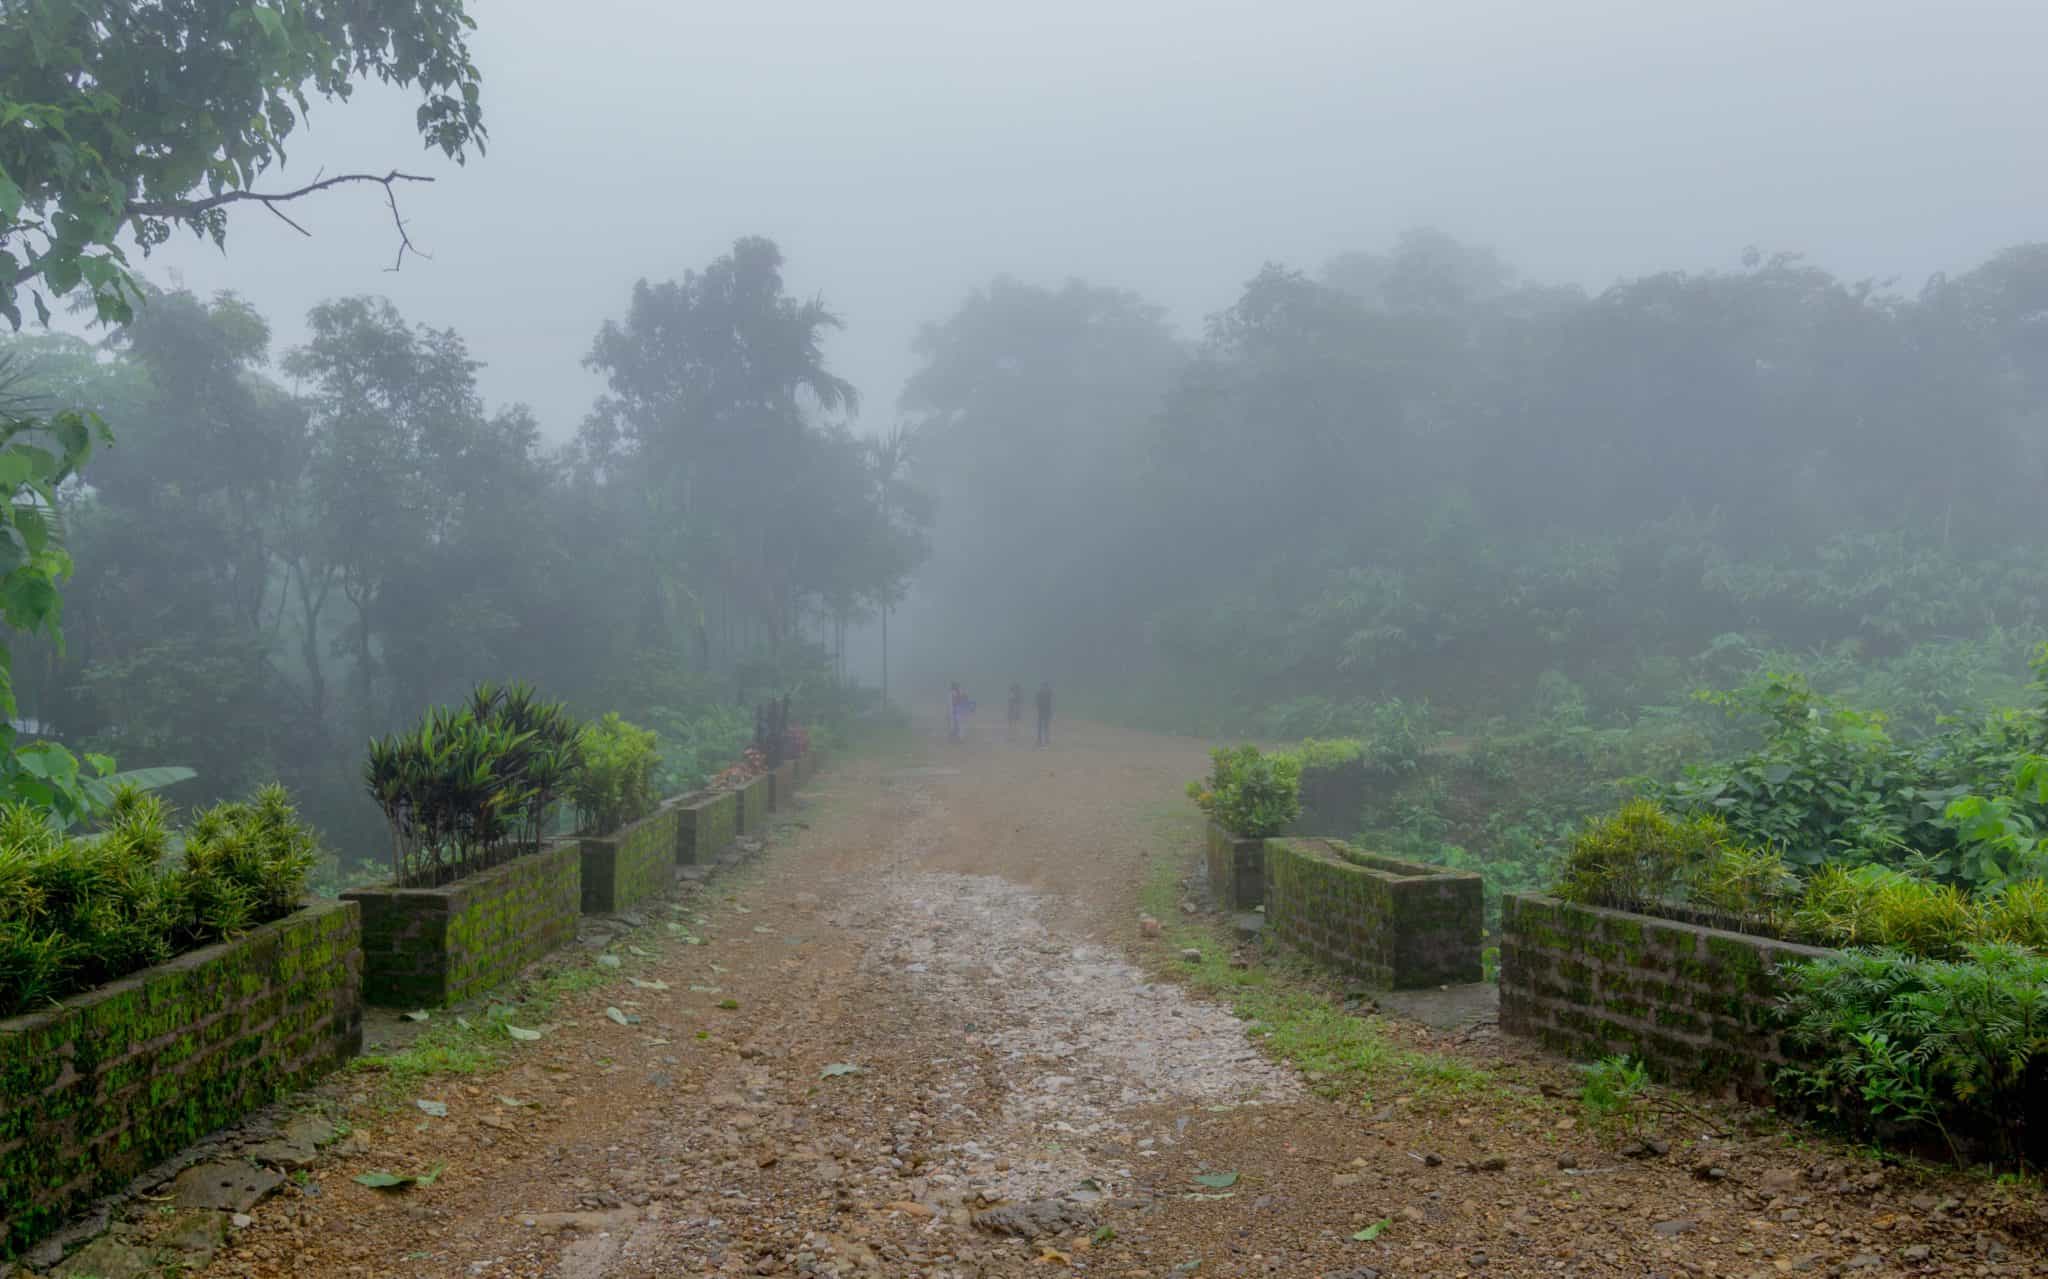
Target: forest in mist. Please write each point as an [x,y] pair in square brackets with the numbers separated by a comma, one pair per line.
[1414,475]
[284,554]
[1408,492]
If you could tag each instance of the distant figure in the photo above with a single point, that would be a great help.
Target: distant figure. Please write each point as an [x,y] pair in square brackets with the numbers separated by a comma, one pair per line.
[1016,711]
[956,713]
[1045,713]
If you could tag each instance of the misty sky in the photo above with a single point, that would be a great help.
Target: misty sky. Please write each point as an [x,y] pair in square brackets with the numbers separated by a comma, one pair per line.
[902,151]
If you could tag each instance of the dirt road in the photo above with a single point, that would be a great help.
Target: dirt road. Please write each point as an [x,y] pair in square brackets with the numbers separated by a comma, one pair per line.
[923,1037]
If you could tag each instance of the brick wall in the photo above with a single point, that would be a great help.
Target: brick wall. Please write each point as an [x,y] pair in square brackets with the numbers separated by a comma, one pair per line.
[782,785]
[1393,924]
[429,947]
[1237,869]
[126,1075]
[630,865]
[755,798]
[1697,1005]
[705,827]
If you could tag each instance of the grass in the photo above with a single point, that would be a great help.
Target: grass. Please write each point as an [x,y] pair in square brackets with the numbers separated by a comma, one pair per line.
[1293,1014]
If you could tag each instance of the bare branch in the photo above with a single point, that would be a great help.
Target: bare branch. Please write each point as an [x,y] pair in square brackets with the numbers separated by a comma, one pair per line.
[193,208]
[404,240]
[286,219]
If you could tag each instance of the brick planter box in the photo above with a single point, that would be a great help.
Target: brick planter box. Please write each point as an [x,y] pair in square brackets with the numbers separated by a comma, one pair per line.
[782,785]
[121,1077]
[1237,869]
[1697,1005]
[430,947]
[756,797]
[631,865]
[1396,925]
[705,827]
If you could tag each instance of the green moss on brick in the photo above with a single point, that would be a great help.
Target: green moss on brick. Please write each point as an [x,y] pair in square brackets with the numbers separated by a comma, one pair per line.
[430,947]
[93,1093]
[705,827]
[1391,923]
[629,866]
[755,797]
[1699,1006]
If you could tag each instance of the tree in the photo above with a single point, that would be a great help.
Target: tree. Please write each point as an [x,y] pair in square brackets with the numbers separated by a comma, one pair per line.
[711,381]
[1035,410]
[137,117]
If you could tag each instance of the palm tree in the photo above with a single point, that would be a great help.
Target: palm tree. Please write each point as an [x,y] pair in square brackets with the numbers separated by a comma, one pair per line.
[891,457]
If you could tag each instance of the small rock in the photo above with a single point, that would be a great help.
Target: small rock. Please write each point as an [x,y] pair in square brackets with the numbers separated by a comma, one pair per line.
[241,1221]
[1344,1179]
[1918,1252]
[225,1187]
[1709,1172]
[1492,1163]
[1865,1261]
[1432,1160]
[108,1258]
[1567,1160]
[1671,1229]
[1191,955]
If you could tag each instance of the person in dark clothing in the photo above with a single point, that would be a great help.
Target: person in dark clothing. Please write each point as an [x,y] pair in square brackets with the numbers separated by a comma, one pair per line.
[1016,710]
[1045,713]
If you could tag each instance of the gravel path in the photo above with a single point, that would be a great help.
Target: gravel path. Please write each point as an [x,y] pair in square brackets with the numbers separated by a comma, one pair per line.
[921,1039]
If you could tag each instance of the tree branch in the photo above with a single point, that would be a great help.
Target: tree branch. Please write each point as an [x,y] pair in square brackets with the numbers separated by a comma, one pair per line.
[193,208]
[271,199]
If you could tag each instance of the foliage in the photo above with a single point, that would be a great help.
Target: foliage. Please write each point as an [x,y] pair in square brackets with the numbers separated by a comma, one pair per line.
[616,782]
[1317,753]
[78,911]
[1831,785]
[1958,1047]
[1873,906]
[474,785]
[115,120]
[1641,858]
[1250,794]
[1614,1093]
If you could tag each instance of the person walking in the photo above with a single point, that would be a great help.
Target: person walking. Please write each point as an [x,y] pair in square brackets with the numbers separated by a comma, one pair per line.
[1045,713]
[956,713]
[1016,712]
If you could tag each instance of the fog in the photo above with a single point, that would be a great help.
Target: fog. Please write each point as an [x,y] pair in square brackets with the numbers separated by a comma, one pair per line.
[901,153]
[1419,373]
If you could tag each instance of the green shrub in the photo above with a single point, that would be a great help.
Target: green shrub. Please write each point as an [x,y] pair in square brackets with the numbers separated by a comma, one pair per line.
[694,746]
[1753,886]
[1873,906]
[616,782]
[1958,1048]
[472,786]
[1639,858]
[76,912]
[1248,793]
[2016,914]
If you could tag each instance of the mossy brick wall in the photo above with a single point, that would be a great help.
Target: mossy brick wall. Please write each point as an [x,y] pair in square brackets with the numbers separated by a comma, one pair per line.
[754,802]
[1395,925]
[429,947]
[1697,1005]
[121,1077]
[782,785]
[705,827]
[1237,869]
[633,864]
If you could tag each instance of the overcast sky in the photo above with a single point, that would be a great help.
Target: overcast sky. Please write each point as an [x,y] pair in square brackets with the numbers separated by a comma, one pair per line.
[902,151]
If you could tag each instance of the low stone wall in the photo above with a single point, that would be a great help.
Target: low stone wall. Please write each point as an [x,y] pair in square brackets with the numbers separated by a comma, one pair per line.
[429,947]
[756,797]
[782,785]
[1237,869]
[705,827]
[1697,1005]
[630,865]
[1396,925]
[121,1077]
